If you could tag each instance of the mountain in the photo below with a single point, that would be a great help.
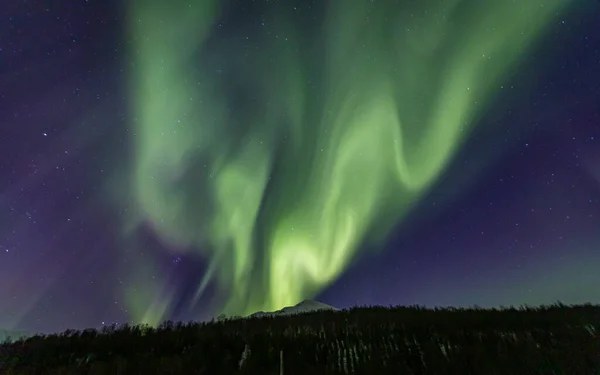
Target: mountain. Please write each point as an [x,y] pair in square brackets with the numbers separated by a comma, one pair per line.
[303,307]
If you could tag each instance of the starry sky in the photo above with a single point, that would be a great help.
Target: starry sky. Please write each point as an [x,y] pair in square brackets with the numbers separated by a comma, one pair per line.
[175,162]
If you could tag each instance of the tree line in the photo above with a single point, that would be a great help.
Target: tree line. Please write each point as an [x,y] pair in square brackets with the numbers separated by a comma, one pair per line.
[555,339]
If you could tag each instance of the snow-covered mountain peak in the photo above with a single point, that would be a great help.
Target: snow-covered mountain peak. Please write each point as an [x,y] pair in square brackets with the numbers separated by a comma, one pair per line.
[303,307]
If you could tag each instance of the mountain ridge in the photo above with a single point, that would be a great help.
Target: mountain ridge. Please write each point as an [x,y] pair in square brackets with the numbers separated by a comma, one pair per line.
[306,306]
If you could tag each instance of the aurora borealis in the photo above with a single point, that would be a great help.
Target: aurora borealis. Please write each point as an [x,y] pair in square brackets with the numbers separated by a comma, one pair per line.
[389,117]
[247,157]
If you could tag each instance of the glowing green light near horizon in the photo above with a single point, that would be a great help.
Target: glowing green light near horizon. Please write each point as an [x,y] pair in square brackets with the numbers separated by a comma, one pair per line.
[400,91]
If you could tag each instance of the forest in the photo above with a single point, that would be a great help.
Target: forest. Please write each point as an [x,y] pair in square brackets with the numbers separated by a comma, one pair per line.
[555,339]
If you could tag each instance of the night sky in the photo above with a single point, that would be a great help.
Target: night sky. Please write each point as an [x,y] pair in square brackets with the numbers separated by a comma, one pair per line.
[176,160]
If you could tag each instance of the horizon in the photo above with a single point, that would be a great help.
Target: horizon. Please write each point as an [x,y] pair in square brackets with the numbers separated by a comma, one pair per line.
[216,319]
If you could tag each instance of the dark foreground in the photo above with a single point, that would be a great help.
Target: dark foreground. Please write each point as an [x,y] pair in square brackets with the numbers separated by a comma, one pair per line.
[554,339]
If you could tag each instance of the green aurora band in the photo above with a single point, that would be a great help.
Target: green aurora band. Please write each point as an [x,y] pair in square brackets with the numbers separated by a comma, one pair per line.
[281,193]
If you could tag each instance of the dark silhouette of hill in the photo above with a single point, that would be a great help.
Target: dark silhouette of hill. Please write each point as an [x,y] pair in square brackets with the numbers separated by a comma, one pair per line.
[554,339]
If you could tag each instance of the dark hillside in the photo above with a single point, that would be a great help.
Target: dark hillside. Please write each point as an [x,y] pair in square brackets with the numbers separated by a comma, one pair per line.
[554,339]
